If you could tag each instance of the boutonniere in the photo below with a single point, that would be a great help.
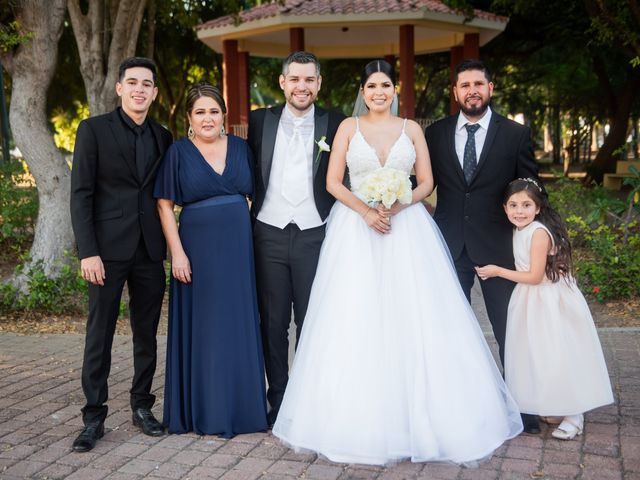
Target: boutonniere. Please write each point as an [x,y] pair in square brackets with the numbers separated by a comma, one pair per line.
[323,146]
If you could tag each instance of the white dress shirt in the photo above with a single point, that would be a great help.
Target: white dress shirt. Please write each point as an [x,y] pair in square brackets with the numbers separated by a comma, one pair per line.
[480,135]
[276,210]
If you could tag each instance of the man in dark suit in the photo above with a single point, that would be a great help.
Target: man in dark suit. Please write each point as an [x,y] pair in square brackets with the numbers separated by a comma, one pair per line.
[290,207]
[474,155]
[120,240]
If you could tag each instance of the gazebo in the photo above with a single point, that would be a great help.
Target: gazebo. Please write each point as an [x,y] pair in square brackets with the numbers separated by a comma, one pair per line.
[343,29]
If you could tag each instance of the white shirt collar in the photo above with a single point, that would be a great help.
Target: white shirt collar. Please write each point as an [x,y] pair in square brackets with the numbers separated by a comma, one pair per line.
[288,115]
[483,122]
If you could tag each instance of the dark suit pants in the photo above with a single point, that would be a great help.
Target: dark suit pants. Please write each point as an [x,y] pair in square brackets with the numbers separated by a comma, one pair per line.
[286,261]
[496,292]
[146,282]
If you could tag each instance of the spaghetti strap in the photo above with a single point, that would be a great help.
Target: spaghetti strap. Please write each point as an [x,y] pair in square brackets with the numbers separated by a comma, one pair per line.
[357,123]
[404,124]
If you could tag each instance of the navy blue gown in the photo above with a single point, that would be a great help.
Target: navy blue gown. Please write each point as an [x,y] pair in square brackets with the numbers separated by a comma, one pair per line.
[214,371]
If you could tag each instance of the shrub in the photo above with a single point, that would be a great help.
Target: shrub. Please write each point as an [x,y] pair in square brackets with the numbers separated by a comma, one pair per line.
[606,265]
[18,203]
[66,293]
[605,235]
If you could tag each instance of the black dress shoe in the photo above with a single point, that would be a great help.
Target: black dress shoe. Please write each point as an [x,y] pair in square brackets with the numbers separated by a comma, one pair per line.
[143,418]
[533,429]
[530,423]
[88,437]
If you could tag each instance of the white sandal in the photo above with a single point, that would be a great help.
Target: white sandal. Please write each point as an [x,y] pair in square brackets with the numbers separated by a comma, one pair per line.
[569,428]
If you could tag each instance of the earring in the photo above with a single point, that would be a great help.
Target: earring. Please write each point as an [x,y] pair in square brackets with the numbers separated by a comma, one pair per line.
[222,131]
[191,133]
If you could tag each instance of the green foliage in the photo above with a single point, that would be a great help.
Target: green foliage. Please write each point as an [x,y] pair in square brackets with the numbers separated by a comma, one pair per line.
[571,197]
[11,35]
[18,202]
[605,264]
[66,293]
[66,124]
[605,235]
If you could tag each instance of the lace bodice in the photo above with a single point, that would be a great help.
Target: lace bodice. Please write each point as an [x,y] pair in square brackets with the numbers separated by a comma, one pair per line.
[362,158]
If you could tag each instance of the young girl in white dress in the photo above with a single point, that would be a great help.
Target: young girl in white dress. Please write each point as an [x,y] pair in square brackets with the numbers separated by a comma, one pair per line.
[391,363]
[554,366]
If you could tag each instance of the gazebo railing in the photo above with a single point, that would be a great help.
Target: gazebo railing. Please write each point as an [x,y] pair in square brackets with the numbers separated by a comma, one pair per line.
[240,130]
[425,122]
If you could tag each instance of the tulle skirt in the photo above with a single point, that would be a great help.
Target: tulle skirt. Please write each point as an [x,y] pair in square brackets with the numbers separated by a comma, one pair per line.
[392,363]
[554,361]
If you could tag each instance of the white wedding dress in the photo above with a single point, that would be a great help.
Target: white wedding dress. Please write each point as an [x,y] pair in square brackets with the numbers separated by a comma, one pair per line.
[392,363]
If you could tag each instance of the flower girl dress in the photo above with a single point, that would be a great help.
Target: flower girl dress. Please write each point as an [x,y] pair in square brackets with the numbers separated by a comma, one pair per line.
[392,363]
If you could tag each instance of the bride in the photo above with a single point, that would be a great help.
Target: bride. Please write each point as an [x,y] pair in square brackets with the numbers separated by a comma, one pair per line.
[391,363]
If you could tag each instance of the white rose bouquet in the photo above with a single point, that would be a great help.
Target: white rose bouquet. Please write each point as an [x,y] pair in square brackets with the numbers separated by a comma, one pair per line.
[386,185]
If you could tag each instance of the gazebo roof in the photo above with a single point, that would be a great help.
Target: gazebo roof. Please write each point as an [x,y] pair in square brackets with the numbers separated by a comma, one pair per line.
[348,28]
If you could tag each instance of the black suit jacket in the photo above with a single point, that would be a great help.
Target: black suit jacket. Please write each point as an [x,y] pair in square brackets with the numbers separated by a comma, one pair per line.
[110,206]
[263,128]
[472,216]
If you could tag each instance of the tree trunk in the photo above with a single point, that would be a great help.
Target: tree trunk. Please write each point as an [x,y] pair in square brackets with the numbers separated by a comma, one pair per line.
[31,67]
[151,28]
[556,134]
[605,160]
[105,36]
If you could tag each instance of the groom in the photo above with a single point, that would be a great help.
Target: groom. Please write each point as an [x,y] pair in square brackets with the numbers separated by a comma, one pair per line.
[475,154]
[290,208]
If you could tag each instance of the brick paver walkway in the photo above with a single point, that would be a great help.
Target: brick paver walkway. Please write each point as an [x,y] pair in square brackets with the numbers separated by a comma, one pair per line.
[40,400]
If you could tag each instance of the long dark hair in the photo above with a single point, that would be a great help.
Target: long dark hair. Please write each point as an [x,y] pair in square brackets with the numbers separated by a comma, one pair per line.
[559,262]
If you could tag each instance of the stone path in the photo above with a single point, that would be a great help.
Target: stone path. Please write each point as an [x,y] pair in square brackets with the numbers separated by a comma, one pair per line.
[40,400]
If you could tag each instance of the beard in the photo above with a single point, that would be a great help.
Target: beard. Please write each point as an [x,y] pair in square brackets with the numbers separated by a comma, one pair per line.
[302,107]
[476,111]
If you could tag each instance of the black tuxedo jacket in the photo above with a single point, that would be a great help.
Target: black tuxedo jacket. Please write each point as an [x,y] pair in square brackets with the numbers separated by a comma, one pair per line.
[471,215]
[110,206]
[263,128]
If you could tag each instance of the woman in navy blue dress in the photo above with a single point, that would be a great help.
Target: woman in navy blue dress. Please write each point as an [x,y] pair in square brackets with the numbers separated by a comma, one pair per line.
[214,372]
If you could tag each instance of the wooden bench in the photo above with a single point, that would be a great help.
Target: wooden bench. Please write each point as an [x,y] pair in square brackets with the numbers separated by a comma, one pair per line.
[614,180]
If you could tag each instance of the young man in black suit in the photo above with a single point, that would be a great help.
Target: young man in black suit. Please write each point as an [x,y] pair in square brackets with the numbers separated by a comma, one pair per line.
[290,207]
[474,155]
[120,240]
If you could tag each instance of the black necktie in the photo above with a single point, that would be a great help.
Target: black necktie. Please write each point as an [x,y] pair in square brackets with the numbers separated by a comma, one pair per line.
[141,161]
[469,161]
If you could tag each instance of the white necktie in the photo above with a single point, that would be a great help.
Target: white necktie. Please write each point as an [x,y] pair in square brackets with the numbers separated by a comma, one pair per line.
[294,180]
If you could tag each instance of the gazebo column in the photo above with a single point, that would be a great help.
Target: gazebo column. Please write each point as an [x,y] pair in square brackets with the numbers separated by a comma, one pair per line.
[296,39]
[469,49]
[230,81]
[407,84]
[243,82]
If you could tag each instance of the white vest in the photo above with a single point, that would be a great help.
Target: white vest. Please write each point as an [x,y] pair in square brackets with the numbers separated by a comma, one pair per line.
[276,210]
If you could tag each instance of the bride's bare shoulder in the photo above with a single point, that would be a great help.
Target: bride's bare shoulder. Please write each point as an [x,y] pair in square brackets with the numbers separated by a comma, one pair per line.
[413,128]
[348,126]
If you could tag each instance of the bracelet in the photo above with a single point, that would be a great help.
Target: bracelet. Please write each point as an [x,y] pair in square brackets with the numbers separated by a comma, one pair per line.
[364,215]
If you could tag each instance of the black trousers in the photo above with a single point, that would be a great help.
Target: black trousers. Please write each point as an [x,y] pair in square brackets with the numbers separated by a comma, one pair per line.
[286,261]
[146,281]
[496,293]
